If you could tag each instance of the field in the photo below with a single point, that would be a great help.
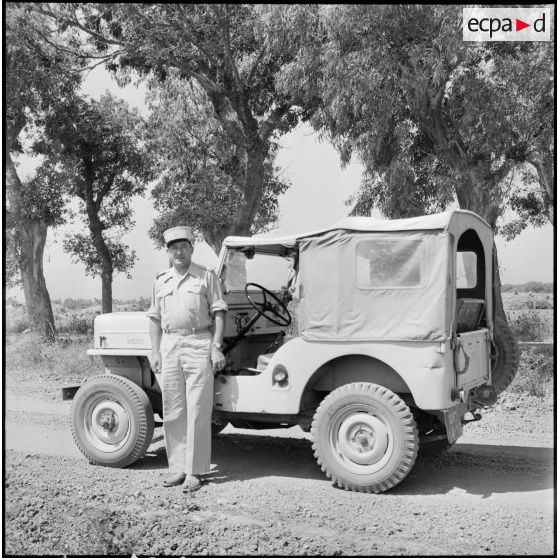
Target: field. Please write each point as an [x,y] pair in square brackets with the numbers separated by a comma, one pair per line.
[530,316]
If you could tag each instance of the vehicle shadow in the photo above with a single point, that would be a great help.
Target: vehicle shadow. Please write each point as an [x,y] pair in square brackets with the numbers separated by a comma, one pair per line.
[477,469]
[481,469]
[246,456]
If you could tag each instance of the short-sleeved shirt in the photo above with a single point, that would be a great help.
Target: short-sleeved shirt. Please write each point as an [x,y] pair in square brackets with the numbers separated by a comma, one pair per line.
[186,301]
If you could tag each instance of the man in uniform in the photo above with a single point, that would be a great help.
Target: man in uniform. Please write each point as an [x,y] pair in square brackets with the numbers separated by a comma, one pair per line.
[187,304]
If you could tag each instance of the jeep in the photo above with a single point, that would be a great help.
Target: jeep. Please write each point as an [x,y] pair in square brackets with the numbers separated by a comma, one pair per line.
[394,347]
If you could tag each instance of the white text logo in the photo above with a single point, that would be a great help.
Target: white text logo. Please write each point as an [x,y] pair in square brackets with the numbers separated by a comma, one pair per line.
[506,24]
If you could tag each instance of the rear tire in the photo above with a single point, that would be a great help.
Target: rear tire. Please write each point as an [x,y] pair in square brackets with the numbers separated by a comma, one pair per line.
[365,437]
[507,360]
[112,421]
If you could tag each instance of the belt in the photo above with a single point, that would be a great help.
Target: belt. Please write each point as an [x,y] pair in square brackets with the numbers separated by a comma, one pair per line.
[190,331]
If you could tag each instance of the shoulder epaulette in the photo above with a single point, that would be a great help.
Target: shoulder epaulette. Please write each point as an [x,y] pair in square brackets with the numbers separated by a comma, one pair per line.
[161,273]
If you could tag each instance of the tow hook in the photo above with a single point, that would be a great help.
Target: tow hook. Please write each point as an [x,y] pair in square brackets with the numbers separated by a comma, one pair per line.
[476,418]
[484,396]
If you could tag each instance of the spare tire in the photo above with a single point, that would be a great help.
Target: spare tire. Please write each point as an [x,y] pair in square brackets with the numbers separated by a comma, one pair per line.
[506,362]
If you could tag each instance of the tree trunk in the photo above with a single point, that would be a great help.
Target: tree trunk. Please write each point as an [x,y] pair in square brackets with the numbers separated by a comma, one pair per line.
[476,197]
[107,270]
[497,288]
[252,186]
[106,290]
[31,238]
[545,174]
[250,178]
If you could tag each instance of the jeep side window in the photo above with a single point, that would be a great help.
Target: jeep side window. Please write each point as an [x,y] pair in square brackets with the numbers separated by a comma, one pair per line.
[389,263]
[470,266]
[466,277]
[235,271]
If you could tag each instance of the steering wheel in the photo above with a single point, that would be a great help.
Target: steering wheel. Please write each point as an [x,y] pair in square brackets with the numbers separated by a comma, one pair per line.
[276,313]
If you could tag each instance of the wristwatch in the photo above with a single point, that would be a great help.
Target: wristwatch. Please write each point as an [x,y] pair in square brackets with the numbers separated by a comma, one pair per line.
[218,346]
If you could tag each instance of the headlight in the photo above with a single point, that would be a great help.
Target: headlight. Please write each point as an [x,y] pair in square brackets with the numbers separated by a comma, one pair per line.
[280,376]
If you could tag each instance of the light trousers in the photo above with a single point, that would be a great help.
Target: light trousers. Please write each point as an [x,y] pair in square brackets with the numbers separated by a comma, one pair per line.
[187,386]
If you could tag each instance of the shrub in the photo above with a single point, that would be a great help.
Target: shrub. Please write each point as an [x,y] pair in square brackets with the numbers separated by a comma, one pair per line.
[73,323]
[16,316]
[140,304]
[534,286]
[537,303]
[535,375]
[528,325]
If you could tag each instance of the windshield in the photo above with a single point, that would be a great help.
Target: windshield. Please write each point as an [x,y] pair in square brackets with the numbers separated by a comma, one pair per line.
[270,271]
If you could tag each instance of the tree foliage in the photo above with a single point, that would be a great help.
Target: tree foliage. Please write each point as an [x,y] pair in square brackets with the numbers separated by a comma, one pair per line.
[197,166]
[39,72]
[430,116]
[39,75]
[225,49]
[97,155]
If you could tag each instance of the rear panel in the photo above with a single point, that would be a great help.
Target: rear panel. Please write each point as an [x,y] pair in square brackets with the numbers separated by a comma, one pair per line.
[471,358]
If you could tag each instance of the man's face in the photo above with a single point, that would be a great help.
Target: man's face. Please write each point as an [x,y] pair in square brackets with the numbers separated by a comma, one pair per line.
[180,254]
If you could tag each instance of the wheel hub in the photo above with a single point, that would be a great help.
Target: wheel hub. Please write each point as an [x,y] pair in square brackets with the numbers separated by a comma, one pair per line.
[107,421]
[362,439]
[107,424]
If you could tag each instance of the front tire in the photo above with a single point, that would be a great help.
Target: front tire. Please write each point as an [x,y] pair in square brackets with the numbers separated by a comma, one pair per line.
[112,421]
[365,437]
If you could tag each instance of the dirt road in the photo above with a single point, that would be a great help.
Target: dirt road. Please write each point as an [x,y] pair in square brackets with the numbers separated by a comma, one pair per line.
[492,493]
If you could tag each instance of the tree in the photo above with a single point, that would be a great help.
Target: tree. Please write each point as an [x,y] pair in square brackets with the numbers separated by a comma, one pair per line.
[99,157]
[38,76]
[197,166]
[424,110]
[529,78]
[430,116]
[225,50]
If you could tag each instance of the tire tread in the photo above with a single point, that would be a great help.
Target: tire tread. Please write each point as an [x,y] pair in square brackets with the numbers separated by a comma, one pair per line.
[409,429]
[507,364]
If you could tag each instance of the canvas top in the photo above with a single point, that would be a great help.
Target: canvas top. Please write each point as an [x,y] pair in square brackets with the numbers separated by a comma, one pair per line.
[451,221]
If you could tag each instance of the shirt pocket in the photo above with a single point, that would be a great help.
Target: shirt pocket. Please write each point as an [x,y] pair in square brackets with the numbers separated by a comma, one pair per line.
[193,294]
[165,296]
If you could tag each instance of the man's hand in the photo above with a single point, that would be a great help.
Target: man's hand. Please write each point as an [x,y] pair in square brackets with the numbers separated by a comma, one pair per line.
[217,359]
[156,361]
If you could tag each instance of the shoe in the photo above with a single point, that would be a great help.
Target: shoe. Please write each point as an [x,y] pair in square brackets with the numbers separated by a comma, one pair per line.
[174,480]
[191,484]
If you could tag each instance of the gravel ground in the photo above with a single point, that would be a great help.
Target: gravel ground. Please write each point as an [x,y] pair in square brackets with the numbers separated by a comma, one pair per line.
[266,495]
[58,505]
[492,493]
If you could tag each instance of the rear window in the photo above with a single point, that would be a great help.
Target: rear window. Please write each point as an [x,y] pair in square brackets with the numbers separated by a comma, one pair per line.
[466,270]
[389,263]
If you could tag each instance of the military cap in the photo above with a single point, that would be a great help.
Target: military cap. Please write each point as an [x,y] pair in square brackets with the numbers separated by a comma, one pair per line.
[178,233]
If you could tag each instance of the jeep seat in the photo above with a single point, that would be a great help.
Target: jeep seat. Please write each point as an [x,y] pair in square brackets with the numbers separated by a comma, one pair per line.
[469,314]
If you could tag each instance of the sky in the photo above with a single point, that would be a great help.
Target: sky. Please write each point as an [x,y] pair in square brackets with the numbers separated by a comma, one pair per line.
[315,200]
